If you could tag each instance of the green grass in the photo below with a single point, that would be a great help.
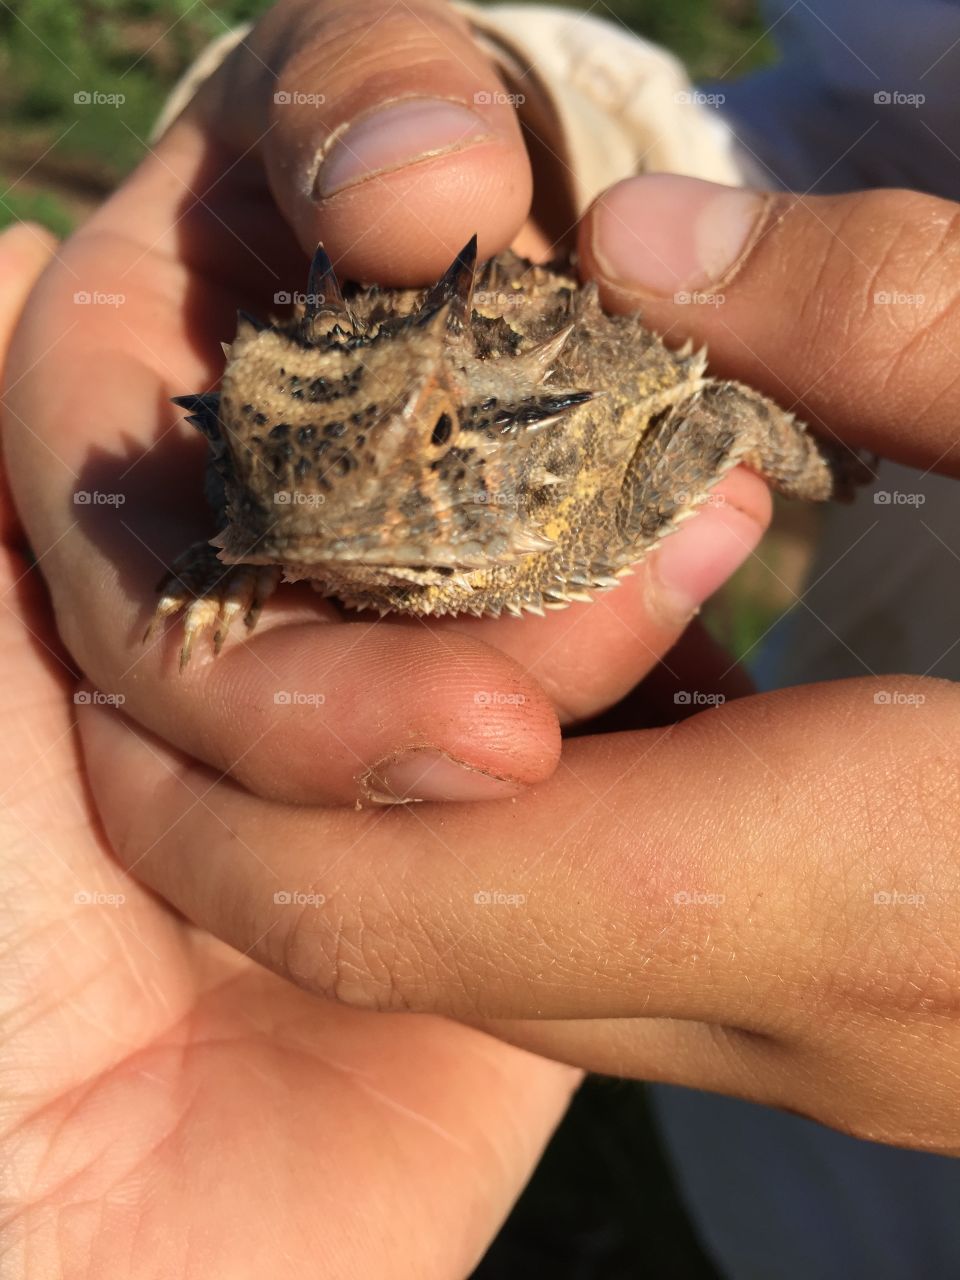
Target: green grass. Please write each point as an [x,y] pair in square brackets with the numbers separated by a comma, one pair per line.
[51,50]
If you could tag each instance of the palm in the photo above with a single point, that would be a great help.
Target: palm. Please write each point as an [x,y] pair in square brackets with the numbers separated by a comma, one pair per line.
[145,1056]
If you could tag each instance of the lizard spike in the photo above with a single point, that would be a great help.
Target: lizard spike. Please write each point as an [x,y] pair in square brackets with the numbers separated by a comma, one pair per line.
[589,297]
[324,299]
[539,359]
[541,477]
[205,402]
[245,318]
[529,540]
[456,285]
[323,289]
[225,348]
[545,410]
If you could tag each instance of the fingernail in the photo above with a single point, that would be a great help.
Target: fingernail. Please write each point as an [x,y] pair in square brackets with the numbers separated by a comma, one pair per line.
[664,234]
[426,774]
[396,136]
[689,565]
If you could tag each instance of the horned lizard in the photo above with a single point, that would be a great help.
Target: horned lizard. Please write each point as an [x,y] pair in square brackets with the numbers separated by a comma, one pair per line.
[495,443]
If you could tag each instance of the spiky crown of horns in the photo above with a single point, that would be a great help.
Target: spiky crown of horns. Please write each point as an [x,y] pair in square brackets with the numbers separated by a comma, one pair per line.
[444,440]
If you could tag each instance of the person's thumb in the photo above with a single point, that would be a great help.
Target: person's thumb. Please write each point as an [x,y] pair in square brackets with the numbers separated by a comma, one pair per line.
[385,127]
[843,308]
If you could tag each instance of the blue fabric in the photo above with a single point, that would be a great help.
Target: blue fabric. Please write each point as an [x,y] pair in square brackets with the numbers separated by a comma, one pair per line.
[812,123]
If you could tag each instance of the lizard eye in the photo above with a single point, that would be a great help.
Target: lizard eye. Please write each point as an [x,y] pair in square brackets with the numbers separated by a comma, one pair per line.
[442,430]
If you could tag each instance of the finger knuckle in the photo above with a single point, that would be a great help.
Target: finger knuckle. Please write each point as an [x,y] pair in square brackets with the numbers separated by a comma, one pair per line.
[361,953]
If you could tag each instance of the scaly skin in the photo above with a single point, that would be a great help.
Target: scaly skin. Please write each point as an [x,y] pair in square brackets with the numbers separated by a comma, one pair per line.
[497,443]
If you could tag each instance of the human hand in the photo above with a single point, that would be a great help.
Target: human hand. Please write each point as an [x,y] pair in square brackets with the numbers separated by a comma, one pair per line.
[172,1108]
[761,900]
[204,225]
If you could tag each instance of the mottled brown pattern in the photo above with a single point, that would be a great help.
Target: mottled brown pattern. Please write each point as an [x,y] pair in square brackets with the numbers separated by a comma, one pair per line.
[496,443]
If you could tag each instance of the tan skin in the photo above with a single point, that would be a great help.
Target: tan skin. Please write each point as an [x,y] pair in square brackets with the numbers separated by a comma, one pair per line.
[793,990]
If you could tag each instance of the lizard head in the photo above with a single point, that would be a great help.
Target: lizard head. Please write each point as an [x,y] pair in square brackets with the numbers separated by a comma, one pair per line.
[398,440]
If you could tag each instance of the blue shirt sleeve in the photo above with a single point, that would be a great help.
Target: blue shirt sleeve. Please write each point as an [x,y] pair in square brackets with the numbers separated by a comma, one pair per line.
[866,94]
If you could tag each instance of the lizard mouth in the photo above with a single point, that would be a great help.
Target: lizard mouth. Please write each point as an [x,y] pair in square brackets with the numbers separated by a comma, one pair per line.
[343,554]
[336,561]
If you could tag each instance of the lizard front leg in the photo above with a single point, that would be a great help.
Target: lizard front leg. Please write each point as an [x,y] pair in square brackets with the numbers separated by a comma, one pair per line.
[211,596]
[699,440]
